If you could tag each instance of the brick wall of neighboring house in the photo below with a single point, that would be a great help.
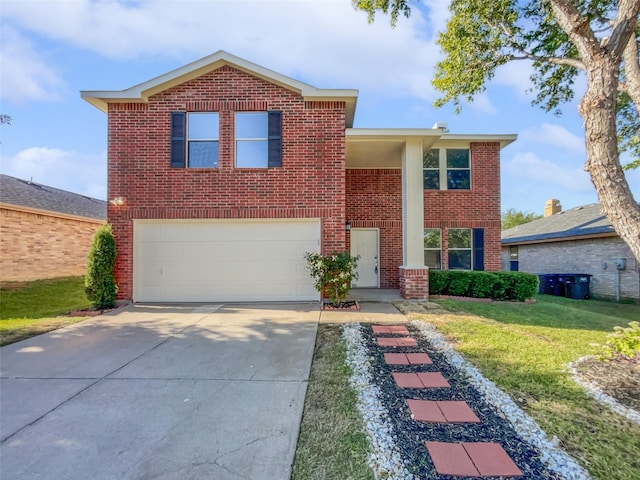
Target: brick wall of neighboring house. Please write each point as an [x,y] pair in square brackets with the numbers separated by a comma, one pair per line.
[310,183]
[591,256]
[36,246]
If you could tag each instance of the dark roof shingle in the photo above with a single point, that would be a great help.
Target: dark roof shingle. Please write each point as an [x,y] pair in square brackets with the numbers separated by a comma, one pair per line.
[24,193]
[585,220]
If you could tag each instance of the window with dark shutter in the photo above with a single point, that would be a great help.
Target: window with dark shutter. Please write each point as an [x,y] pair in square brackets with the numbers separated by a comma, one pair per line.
[178,140]
[478,248]
[275,139]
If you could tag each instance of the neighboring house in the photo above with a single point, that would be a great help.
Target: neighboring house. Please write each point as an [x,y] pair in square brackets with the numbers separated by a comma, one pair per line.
[580,240]
[225,173]
[45,232]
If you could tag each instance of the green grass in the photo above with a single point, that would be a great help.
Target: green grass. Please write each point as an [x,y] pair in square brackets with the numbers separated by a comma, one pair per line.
[332,443]
[524,349]
[32,308]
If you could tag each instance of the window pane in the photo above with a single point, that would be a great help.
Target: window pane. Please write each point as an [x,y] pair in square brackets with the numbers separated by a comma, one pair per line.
[459,238]
[431,238]
[431,179]
[457,158]
[432,259]
[203,155]
[251,154]
[513,253]
[203,126]
[458,179]
[459,259]
[251,125]
[431,159]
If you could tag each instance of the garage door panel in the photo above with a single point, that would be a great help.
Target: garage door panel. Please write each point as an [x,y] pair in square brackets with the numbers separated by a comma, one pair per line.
[224,261]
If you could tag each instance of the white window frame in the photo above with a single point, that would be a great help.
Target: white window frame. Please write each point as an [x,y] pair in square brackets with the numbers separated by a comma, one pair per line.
[264,139]
[443,168]
[458,249]
[215,139]
[432,249]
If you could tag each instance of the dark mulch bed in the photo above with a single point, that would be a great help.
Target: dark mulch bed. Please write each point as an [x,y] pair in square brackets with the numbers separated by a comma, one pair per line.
[617,378]
[346,305]
[411,435]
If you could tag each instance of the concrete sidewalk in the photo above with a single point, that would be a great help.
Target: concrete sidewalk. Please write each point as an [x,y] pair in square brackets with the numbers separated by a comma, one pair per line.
[163,392]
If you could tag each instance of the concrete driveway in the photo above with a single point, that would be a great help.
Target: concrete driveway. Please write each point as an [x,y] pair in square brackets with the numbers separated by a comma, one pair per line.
[162,392]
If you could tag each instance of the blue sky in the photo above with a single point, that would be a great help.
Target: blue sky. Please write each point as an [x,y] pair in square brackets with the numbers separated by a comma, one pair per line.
[53,49]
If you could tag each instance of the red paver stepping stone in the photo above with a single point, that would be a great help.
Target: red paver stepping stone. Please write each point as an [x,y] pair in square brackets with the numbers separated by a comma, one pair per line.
[442,411]
[426,411]
[407,380]
[396,342]
[433,380]
[397,329]
[456,411]
[418,358]
[451,459]
[483,459]
[407,342]
[396,359]
[491,460]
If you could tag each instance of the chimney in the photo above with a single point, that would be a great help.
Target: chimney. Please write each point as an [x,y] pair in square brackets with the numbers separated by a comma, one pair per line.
[551,207]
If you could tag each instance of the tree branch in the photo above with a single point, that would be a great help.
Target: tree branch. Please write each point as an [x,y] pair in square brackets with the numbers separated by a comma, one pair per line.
[577,27]
[623,27]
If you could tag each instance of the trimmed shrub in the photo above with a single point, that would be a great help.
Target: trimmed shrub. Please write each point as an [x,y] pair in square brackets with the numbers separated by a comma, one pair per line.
[495,285]
[100,286]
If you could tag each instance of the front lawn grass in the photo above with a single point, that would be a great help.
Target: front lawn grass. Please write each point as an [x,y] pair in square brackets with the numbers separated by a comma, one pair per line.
[524,349]
[332,443]
[32,308]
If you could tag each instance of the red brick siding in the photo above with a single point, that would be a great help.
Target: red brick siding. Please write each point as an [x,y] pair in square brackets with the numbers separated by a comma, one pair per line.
[475,208]
[414,283]
[310,183]
[37,246]
[374,199]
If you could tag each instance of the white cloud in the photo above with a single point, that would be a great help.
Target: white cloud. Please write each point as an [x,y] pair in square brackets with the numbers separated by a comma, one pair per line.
[517,76]
[327,42]
[76,172]
[555,135]
[25,75]
[530,167]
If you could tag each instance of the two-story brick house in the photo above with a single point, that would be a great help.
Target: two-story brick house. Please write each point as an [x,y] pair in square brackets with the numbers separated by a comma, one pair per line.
[222,174]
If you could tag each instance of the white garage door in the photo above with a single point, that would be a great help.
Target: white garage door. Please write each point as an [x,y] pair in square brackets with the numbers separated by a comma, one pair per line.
[223,261]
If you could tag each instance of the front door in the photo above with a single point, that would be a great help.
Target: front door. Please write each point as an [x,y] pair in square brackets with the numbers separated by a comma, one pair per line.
[364,242]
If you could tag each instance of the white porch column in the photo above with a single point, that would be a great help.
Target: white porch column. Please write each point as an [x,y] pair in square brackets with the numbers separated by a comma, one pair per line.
[412,205]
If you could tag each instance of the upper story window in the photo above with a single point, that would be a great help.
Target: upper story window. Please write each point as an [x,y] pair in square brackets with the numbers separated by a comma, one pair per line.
[447,169]
[433,248]
[202,140]
[252,140]
[195,138]
[258,139]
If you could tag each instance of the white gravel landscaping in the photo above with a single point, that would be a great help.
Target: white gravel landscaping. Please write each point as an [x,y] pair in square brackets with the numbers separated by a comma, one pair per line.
[385,458]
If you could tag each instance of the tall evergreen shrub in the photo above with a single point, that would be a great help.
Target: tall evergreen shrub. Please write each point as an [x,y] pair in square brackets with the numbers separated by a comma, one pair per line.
[100,285]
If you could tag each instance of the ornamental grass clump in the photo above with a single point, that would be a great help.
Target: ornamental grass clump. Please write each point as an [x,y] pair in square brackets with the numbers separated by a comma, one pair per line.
[332,273]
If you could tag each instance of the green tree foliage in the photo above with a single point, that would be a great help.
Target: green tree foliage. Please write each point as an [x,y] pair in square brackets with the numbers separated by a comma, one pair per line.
[99,282]
[5,119]
[512,218]
[598,39]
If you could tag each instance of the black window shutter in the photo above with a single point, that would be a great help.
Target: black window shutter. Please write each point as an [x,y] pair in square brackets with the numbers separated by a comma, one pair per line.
[478,248]
[275,138]
[178,150]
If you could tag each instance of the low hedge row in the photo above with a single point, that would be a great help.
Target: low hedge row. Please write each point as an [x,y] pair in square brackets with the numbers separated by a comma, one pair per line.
[495,285]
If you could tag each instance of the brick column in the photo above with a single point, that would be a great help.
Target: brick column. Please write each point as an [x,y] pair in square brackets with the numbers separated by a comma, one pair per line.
[414,283]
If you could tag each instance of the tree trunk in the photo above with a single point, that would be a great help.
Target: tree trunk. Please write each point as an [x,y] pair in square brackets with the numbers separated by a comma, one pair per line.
[598,110]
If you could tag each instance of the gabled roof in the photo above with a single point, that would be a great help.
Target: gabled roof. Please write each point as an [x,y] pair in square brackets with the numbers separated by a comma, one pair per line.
[141,93]
[35,196]
[584,221]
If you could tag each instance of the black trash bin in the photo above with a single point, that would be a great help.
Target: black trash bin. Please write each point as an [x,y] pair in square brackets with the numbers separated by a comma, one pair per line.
[577,286]
[555,285]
